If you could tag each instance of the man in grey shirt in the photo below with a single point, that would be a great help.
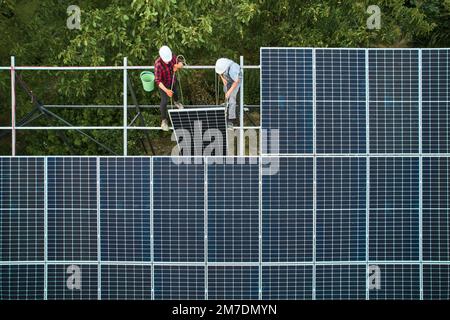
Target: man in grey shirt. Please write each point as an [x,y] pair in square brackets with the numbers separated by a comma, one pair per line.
[231,75]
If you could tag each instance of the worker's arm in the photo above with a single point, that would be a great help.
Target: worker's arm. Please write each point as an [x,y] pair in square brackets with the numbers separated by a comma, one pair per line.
[235,84]
[167,91]
[223,80]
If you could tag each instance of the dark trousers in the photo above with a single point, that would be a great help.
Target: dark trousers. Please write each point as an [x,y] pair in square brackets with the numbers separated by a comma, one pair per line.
[165,100]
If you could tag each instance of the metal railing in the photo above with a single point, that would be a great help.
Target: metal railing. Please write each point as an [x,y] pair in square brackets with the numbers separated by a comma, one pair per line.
[125,127]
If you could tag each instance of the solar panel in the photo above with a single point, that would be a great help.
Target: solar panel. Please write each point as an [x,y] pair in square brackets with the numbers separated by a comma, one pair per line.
[125,209]
[179,209]
[287,99]
[62,284]
[394,209]
[22,282]
[233,283]
[233,209]
[198,131]
[394,101]
[340,282]
[436,100]
[21,209]
[398,282]
[436,282]
[179,282]
[287,282]
[126,282]
[341,209]
[341,101]
[72,209]
[287,209]
[436,207]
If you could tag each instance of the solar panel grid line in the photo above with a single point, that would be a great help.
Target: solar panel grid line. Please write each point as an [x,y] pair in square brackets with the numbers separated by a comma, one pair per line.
[420,179]
[45,228]
[205,230]
[314,282]
[367,170]
[260,232]
[152,231]
[99,240]
[314,96]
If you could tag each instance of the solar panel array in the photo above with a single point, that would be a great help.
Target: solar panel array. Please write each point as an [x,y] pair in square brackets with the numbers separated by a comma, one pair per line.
[373,126]
[353,203]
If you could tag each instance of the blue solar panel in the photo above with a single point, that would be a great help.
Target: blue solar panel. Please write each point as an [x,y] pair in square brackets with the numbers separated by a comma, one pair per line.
[341,101]
[22,183]
[292,122]
[287,282]
[394,75]
[286,99]
[394,209]
[341,209]
[340,75]
[72,209]
[397,282]
[436,207]
[126,282]
[436,100]
[340,282]
[436,282]
[394,101]
[287,209]
[179,283]
[21,282]
[233,283]
[341,127]
[62,284]
[286,74]
[21,209]
[125,209]
[72,183]
[233,209]
[435,74]
[178,209]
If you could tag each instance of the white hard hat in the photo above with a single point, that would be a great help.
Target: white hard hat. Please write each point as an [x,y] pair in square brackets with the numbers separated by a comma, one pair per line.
[166,54]
[222,65]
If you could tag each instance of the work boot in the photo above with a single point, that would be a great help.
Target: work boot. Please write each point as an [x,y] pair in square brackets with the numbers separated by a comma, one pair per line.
[164,125]
[179,105]
[230,125]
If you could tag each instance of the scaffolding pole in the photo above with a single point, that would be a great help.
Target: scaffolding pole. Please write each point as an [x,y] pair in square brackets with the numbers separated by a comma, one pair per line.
[125,106]
[13,107]
[241,115]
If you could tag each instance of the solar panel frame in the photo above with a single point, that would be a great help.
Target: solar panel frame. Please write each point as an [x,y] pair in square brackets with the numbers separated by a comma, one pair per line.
[125,225]
[178,119]
[233,209]
[22,209]
[178,209]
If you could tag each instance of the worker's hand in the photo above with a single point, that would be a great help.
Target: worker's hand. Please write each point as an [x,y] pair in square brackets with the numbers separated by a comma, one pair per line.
[177,66]
[228,94]
[169,93]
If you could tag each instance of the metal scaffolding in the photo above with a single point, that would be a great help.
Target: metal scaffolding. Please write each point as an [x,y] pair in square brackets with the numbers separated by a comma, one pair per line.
[126,126]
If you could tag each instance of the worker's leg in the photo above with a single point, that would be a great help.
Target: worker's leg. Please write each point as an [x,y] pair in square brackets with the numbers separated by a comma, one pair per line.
[232,103]
[163,105]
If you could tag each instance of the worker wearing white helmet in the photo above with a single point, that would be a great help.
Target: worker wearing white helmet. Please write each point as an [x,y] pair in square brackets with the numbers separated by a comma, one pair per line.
[231,75]
[165,68]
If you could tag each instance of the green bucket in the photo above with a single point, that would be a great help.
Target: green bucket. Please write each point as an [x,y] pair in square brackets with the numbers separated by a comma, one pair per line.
[148,81]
